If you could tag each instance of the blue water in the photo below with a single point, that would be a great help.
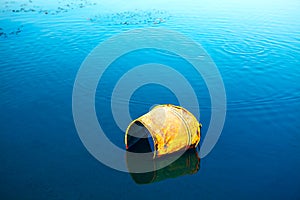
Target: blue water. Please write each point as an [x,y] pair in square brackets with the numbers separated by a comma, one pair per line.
[255,45]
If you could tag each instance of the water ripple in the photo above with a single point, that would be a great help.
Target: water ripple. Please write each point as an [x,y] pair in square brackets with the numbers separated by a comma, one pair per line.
[243,48]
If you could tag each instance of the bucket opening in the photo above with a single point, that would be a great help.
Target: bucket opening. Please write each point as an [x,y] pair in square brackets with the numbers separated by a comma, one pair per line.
[139,139]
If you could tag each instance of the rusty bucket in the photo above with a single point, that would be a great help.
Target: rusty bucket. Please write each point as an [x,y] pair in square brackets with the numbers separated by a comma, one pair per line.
[168,129]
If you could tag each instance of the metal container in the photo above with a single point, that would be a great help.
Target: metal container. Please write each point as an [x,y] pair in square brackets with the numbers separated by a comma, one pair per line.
[168,128]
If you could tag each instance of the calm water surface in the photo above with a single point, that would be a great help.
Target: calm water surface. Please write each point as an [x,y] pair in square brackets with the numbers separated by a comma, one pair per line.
[255,44]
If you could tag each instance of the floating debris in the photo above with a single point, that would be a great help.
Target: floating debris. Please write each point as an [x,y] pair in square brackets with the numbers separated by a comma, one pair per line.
[31,6]
[16,7]
[4,33]
[168,129]
[137,17]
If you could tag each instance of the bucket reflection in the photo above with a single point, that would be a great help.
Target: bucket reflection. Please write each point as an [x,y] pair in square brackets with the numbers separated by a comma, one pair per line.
[187,163]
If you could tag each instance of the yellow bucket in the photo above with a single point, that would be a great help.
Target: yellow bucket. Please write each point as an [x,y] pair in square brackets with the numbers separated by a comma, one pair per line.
[168,128]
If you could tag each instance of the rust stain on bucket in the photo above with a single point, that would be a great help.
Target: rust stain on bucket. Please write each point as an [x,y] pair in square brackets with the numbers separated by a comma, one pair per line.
[168,128]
